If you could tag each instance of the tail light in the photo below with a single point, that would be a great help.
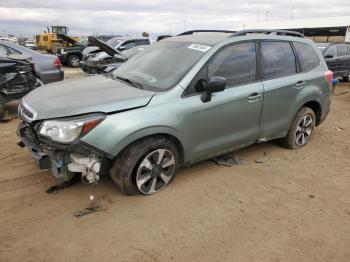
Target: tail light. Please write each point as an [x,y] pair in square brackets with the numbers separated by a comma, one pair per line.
[328,75]
[57,63]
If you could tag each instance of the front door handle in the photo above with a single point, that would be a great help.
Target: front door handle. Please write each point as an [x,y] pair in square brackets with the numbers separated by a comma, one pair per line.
[254,97]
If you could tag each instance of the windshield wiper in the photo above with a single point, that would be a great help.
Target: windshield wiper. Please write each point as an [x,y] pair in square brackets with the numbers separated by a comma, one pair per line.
[129,81]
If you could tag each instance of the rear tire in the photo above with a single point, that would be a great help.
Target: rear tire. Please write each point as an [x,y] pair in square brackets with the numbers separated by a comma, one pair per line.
[73,61]
[301,130]
[346,78]
[146,166]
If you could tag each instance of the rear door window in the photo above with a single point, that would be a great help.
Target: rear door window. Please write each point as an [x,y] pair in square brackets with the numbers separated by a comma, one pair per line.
[278,59]
[307,56]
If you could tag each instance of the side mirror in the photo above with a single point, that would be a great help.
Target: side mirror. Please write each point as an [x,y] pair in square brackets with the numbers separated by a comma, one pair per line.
[121,48]
[215,84]
[329,56]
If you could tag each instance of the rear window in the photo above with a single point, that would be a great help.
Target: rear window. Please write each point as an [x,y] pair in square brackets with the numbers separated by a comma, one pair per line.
[307,56]
[278,59]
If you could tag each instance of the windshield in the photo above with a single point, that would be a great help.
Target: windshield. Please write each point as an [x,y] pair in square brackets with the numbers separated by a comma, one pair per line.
[114,42]
[162,65]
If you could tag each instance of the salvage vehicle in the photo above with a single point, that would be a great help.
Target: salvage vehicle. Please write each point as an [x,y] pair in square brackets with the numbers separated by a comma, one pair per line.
[184,99]
[17,78]
[48,67]
[117,43]
[110,57]
[337,56]
[73,54]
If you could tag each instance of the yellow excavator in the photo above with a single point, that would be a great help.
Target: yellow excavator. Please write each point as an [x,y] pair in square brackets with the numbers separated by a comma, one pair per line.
[52,39]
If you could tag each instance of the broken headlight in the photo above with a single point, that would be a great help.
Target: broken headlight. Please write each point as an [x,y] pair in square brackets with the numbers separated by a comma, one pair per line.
[66,131]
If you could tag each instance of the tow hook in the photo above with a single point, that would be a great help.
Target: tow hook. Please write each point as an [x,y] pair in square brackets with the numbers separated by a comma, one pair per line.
[89,167]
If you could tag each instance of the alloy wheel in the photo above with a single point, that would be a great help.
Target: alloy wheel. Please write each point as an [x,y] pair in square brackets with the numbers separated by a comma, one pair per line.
[304,130]
[75,62]
[155,171]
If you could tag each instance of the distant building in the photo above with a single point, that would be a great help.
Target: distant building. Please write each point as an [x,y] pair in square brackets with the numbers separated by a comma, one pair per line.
[326,29]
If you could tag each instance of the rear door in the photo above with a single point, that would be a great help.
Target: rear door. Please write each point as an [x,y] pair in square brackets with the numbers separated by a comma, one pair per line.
[281,87]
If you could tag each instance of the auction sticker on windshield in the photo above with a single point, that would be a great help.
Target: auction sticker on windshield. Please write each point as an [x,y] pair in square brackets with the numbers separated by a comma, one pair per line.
[199,47]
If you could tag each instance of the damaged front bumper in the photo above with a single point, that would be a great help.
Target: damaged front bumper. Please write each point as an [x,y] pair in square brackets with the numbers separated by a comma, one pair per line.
[64,161]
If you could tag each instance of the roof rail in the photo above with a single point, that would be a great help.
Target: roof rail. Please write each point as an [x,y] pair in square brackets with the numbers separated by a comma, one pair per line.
[268,31]
[206,31]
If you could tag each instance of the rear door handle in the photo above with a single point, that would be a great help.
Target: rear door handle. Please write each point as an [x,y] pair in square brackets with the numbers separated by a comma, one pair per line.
[254,97]
[300,84]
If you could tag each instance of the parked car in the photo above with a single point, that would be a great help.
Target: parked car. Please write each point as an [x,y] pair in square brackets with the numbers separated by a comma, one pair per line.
[117,43]
[47,66]
[71,55]
[17,78]
[184,99]
[30,44]
[109,57]
[337,56]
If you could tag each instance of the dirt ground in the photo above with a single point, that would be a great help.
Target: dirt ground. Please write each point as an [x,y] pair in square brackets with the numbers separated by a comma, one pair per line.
[293,207]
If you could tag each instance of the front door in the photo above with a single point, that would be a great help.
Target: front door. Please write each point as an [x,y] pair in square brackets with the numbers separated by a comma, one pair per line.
[231,118]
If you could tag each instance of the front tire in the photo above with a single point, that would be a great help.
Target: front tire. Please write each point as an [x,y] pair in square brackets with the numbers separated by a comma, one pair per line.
[146,166]
[73,61]
[301,130]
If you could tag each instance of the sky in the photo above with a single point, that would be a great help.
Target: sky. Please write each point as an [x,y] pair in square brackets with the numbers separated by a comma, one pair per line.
[86,17]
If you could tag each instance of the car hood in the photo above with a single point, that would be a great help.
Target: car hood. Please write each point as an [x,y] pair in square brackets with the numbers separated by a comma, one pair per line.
[81,96]
[68,39]
[103,46]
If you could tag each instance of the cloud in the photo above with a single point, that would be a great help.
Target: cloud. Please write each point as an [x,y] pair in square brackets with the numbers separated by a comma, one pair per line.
[29,17]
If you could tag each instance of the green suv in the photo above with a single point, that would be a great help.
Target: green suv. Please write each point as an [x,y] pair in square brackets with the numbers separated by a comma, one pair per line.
[185,99]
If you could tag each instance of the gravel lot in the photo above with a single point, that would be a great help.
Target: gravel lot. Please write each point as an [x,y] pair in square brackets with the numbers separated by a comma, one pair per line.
[293,207]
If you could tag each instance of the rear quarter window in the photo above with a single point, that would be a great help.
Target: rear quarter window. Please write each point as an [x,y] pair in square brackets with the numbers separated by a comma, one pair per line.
[307,56]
